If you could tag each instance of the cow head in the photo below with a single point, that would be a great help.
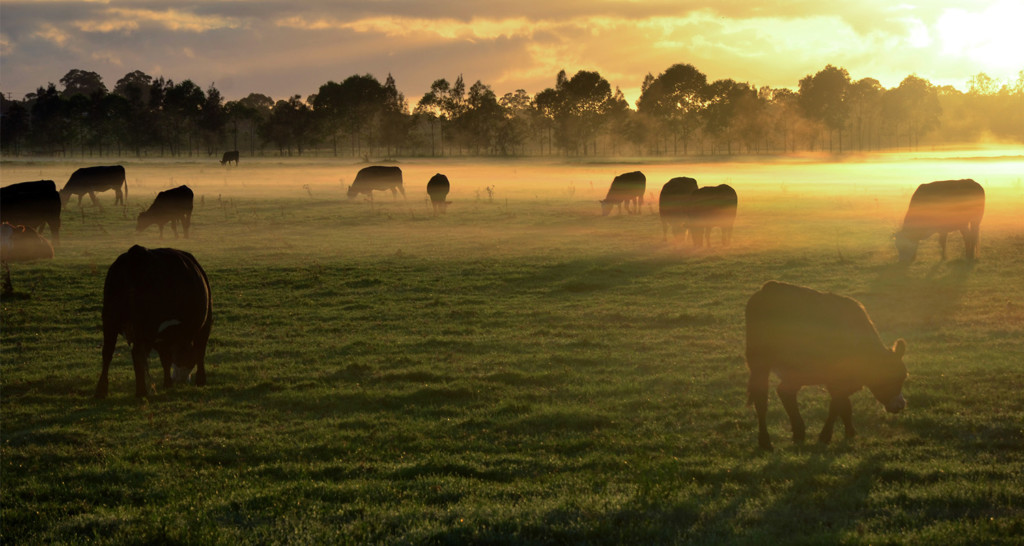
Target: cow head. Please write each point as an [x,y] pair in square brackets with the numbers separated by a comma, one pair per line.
[351,192]
[887,386]
[144,221]
[906,247]
[606,207]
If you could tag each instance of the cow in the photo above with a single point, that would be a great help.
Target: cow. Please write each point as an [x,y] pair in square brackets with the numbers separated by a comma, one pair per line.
[710,207]
[89,180]
[672,205]
[32,204]
[159,299]
[628,188]
[942,207]
[174,206]
[228,157]
[809,337]
[20,244]
[438,188]
[377,178]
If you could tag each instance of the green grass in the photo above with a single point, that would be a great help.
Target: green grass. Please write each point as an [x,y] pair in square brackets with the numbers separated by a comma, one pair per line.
[520,370]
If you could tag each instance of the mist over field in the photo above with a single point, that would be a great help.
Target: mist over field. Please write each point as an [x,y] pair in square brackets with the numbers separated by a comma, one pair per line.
[520,369]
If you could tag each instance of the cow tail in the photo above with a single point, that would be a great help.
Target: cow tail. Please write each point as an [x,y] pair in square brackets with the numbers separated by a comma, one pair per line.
[125,204]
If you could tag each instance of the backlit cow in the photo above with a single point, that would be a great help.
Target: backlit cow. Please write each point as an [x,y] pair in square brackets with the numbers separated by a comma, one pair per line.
[377,178]
[942,207]
[159,299]
[89,180]
[673,205]
[228,157]
[20,244]
[710,207]
[626,188]
[815,338]
[438,188]
[32,204]
[174,206]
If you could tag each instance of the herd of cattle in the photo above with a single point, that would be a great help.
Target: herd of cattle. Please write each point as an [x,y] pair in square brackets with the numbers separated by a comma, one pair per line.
[159,299]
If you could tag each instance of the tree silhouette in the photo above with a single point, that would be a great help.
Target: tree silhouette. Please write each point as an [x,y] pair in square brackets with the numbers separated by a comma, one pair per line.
[823,98]
[677,98]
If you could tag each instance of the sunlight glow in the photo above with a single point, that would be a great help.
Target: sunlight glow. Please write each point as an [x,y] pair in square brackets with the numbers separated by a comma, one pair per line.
[991,38]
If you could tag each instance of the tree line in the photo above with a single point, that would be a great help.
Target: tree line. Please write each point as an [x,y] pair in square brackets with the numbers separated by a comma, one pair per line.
[679,113]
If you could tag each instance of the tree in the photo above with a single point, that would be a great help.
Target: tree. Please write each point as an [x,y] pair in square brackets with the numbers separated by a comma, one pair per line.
[82,82]
[212,120]
[914,107]
[823,98]
[578,107]
[183,106]
[865,104]
[677,98]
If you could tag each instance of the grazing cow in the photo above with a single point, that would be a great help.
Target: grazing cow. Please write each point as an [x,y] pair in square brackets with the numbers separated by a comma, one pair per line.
[228,157]
[815,338]
[89,180]
[32,204]
[709,207]
[20,244]
[942,207]
[437,189]
[174,206]
[628,188]
[159,299]
[672,205]
[377,178]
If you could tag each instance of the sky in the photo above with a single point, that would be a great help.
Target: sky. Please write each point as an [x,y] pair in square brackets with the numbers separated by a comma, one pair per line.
[282,48]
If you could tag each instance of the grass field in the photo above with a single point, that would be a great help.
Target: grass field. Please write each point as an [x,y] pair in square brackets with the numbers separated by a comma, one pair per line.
[520,370]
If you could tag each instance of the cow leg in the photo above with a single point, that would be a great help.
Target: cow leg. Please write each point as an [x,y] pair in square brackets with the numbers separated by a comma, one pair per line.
[838,407]
[796,422]
[969,242]
[118,196]
[174,227]
[161,226]
[166,360]
[109,342]
[186,223]
[140,358]
[757,394]
[8,288]
[95,202]
[942,244]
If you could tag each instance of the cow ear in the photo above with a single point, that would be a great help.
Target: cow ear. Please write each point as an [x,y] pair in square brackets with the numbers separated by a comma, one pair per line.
[899,348]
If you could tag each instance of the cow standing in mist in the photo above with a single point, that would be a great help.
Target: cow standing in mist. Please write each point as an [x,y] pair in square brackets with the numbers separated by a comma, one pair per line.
[32,204]
[673,203]
[809,337]
[228,157]
[711,207]
[626,188]
[438,188]
[20,244]
[89,180]
[377,178]
[159,299]
[942,207]
[174,206]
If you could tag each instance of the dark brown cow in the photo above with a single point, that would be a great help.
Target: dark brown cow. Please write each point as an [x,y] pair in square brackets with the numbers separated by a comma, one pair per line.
[626,188]
[228,157]
[20,244]
[942,207]
[710,207]
[174,206]
[815,338]
[32,204]
[673,203]
[377,178]
[89,180]
[438,188]
[159,299]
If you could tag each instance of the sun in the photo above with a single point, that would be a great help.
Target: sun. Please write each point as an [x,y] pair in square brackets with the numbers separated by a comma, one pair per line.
[991,38]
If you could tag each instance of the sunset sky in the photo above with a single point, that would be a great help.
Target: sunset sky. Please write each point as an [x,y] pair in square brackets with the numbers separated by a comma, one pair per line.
[288,47]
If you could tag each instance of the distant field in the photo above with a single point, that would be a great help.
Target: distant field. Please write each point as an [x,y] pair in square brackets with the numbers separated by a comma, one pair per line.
[520,370]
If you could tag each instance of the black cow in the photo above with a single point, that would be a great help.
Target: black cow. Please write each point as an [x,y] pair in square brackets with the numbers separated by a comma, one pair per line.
[710,207]
[438,188]
[673,205]
[228,157]
[89,180]
[815,338]
[628,188]
[159,299]
[174,206]
[942,207]
[377,178]
[20,244]
[32,204]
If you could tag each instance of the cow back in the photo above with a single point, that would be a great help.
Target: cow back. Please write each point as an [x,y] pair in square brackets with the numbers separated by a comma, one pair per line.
[945,205]
[438,187]
[675,196]
[32,204]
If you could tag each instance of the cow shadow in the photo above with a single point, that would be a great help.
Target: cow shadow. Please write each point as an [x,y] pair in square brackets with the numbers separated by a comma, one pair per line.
[909,304]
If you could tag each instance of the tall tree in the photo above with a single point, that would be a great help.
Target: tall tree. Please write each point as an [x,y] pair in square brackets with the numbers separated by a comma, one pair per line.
[823,98]
[82,82]
[677,98]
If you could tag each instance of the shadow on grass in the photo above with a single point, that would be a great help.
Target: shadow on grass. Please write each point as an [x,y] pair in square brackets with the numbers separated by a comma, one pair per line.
[907,305]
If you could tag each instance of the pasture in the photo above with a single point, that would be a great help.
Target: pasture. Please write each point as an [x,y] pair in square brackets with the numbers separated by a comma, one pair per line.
[519,370]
